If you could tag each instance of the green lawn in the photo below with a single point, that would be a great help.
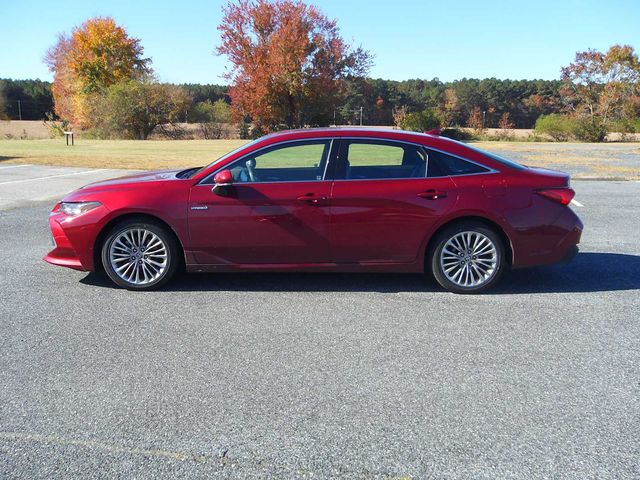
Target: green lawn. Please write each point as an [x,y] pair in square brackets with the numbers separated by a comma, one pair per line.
[604,160]
[142,155]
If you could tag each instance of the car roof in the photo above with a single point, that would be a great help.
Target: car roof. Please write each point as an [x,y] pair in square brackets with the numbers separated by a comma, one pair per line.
[345,132]
[436,142]
[368,132]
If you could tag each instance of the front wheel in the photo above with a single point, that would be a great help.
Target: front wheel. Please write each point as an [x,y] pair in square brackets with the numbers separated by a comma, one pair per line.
[467,258]
[140,255]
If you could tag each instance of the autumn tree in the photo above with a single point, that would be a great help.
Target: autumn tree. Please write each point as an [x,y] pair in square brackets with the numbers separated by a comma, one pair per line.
[85,63]
[600,85]
[505,122]
[475,120]
[288,62]
[449,107]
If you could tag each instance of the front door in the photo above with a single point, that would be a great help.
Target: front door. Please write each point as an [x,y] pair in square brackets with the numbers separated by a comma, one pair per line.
[275,212]
[383,204]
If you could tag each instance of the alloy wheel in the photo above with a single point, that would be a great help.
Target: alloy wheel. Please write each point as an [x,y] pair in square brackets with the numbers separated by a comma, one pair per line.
[469,259]
[138,256]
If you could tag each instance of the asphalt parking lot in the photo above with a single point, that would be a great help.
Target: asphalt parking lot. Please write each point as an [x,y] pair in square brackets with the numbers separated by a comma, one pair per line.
[22,185]
[324,375]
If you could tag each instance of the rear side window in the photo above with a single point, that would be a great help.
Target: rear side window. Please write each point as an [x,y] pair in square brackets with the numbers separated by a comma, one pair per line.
[442,165]
[379,160]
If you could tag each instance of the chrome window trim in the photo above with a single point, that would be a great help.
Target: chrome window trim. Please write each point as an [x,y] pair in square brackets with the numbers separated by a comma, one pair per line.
[286,142]
[332,139]
[426,149]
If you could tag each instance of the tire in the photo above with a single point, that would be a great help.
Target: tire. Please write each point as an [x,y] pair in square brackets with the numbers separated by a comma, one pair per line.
[138,254]
[467,257]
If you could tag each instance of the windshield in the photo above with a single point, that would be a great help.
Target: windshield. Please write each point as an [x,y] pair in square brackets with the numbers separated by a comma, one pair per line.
[223,157]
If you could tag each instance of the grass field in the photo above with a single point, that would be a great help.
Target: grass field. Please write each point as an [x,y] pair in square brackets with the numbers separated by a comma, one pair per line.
[133,154]
[582,160]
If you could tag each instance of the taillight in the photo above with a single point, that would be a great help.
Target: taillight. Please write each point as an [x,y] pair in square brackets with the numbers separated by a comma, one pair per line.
[560,195]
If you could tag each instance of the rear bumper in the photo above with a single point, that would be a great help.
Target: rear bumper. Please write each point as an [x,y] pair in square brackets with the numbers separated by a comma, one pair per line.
[556,243]
[571,254]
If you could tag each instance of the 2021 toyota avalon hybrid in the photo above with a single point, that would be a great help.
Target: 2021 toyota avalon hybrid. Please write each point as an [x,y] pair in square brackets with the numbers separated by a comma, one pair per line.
[324,200]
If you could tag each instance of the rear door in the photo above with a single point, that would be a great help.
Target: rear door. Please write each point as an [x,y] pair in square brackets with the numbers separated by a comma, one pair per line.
[383,205]
[275,212]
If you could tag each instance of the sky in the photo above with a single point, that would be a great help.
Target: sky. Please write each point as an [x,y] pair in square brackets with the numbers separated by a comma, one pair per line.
[408,38]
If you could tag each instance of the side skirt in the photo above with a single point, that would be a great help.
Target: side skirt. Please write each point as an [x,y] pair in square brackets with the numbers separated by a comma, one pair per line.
[413,267]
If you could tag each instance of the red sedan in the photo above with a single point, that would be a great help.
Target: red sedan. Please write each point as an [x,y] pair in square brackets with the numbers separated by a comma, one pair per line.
[324,200]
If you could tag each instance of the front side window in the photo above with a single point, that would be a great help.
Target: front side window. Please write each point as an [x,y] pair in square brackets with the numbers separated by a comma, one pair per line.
[379,159]
[292,162]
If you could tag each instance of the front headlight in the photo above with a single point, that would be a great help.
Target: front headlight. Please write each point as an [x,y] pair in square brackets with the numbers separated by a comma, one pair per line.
[76,208]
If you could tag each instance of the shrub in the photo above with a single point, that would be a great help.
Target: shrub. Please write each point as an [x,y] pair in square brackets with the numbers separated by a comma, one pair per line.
[589,130]
[55,127]
[559,127]
[456,134]
[244,130]
[420,121]
[212,117]
[623,126]
[132,109]
[504,135]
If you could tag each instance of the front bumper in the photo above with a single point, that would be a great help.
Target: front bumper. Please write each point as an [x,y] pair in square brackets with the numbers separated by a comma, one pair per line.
[63,254]
[74,238]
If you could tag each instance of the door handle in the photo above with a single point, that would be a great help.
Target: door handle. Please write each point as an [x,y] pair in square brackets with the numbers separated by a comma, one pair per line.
[311,198]
[433,194]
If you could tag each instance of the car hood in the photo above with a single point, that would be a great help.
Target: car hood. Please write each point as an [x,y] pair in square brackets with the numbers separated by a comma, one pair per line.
[160,175]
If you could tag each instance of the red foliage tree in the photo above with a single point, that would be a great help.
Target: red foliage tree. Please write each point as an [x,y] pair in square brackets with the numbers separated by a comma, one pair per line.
[288,62]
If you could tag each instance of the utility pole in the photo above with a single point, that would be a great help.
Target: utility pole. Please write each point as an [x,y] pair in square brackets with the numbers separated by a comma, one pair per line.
[360,116]
[484,117]
[19,111]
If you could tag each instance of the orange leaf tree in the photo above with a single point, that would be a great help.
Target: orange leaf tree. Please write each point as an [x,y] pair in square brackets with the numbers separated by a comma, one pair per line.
[96,55]
[288,62]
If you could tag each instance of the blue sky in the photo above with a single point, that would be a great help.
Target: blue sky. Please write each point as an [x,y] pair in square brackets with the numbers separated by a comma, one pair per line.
[409,38]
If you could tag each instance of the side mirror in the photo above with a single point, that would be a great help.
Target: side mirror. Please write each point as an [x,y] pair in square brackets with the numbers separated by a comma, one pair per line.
[222,180]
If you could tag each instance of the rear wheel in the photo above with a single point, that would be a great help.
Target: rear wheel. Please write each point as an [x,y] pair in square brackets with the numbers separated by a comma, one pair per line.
[140,255]
[467,258]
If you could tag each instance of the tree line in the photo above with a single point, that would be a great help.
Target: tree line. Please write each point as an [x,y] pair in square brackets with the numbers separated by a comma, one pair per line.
[380,99]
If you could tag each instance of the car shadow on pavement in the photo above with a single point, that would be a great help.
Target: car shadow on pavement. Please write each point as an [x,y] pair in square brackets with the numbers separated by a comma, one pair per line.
[588,272]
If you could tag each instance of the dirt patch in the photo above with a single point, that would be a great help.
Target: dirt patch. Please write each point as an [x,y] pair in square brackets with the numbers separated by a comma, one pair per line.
[23,129]
[581,160]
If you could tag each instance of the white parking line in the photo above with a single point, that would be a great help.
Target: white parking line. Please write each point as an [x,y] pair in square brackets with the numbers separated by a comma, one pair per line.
[15,166]
[53,176]
[576,203]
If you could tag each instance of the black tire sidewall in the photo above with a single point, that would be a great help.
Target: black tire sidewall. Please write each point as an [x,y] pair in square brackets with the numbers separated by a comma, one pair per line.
[442,239]
[161,232]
